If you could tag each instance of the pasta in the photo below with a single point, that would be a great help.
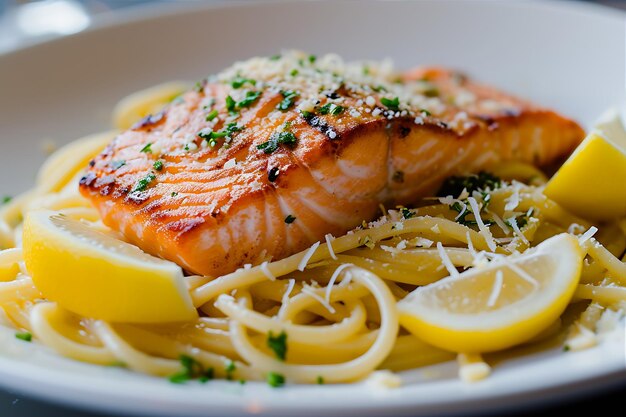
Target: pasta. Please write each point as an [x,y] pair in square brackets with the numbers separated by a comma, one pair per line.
[327,314]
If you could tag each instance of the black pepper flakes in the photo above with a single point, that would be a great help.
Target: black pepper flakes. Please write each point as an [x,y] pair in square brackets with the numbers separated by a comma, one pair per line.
[272,174]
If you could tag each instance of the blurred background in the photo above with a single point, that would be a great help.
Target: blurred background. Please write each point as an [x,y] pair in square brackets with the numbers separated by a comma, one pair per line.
[27,21]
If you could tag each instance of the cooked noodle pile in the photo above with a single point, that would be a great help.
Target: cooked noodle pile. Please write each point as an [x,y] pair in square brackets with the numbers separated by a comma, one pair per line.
[327,314]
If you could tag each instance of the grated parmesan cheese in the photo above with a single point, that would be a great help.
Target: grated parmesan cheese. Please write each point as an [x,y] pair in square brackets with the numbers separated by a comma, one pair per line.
[267,272]
[446,260]
[307,256]
[517,230]
[484,230]
[230,164]
[331,251]
[333,278]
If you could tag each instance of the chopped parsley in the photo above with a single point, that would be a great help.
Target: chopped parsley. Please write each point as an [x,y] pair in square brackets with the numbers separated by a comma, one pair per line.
[406,213]
[230,104]
[278,138]
[425,112]
[212,115]
[6,199]
[566,348]
[147,148]
[275,380]
[143,183]
[230,369]
[275,57]
[294,72]
[391,104]
[454,186]
[174,194]
[273,174]
[115,165]
[320,380]
[306,115]
[25,336]
[211,137]
[199,86]
[332,109]
[290,219]
[312,59]
[278,343]
[367,241]
[191,369]
[240,81]
[158,165]
[250,98]
[521,220]
[289,97]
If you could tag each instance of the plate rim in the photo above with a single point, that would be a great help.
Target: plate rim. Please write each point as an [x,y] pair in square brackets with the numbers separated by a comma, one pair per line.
[144,13]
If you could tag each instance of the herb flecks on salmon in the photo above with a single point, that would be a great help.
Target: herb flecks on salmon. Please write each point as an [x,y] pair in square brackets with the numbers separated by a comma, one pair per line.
[307,138]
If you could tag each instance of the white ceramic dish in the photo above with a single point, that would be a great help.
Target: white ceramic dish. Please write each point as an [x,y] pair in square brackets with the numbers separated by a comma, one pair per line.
[563,55]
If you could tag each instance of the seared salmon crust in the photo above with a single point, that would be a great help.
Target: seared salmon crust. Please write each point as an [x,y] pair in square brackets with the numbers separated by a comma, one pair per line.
[269,156]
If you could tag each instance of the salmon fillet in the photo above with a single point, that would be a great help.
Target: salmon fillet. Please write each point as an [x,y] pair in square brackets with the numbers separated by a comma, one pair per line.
[269,156]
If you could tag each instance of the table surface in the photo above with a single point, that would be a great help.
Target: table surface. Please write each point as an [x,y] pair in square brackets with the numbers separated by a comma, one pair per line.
[13,405]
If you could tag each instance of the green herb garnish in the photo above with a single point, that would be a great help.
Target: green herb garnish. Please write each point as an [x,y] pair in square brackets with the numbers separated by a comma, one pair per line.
[240,81]
[290,219]
[158,165]
[230,369]
[391,104]
[406,213]
[425,112]
[174,194]
[230,104]
[212,115]
[275,57]
[192,369]
[6,199]
[286,138]
[147,148]
[332,109]
[25,336]
[278,343]
[143,183]
[454,185]
[275,380]
[320,380]
[294,72]
[250,98]
[312,58]
[199,86]
[289,97]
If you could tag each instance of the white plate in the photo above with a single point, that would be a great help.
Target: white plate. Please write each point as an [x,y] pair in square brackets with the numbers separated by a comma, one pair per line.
[566,56]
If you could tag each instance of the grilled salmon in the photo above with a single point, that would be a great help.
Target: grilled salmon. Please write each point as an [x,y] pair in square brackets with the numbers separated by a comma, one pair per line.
[269,156]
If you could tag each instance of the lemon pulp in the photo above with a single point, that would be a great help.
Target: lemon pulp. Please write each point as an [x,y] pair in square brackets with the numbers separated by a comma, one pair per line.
[498,306]
[592,182]
[96,275]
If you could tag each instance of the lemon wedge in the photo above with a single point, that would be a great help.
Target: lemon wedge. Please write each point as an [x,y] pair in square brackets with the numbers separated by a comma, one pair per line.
[95,275]
[142,103]
[592,182]
[497,306]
